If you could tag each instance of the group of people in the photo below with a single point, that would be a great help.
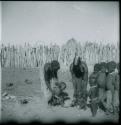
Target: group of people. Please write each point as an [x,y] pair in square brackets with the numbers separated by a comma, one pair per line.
[104,87]
[103,81]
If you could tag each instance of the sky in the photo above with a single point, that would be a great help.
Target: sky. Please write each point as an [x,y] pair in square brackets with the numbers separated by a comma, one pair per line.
[0,61]
[0,20]
[59,21]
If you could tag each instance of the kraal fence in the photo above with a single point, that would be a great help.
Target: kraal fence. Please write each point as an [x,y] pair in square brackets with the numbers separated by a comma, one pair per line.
[31,56]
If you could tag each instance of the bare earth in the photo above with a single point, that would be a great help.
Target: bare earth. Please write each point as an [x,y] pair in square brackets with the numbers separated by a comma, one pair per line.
[36,108]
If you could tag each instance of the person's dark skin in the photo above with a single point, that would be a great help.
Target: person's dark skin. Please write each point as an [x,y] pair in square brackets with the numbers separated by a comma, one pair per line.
[93,92]
[79,71]
[80,67]
[101,77]
[50,71]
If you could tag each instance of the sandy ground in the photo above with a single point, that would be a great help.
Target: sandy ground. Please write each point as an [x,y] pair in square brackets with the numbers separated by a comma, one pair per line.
[37,108]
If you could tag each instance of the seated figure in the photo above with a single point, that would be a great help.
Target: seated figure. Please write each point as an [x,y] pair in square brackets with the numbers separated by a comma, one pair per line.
[59,96]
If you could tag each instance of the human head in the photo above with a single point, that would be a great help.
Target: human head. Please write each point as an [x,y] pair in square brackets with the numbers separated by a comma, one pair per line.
[103,66]
[55,65]
[111,66]
[97,67]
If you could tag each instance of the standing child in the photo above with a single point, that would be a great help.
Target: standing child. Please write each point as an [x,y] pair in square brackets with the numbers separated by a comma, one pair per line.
[110,86]
[93,92]
[116,91]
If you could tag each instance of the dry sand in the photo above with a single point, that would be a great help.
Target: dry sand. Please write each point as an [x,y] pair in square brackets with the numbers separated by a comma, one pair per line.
[37,108]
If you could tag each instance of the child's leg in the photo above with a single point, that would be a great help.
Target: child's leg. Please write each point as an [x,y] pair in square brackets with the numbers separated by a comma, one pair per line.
[109,101]
[102,97]
[116,101]
[94,108]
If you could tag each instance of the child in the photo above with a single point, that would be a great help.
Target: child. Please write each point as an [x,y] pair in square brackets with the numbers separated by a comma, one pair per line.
[116,91]
[101,83]
[59,96]
[93,92]
[110,86]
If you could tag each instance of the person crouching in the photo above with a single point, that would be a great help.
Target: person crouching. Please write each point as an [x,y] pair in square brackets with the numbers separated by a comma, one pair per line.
[51,76]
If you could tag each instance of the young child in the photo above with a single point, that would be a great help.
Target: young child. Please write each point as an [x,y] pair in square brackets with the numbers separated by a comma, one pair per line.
[101,83]
[116,91]
[59,96]
[110,87]
[93,92]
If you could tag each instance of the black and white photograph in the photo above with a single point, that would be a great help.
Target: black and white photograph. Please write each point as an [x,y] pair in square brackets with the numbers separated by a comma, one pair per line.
[59,61]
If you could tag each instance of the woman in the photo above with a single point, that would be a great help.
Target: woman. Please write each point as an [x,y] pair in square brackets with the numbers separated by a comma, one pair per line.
[48,76]
[50,72]
[79,72]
